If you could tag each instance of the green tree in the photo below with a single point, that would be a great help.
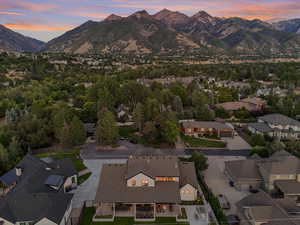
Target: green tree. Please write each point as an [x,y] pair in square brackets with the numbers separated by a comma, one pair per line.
[138,116]
[170,132]
[107,131]
[200,161]
[14,149]
[3,158]
[258,140]
[178,106]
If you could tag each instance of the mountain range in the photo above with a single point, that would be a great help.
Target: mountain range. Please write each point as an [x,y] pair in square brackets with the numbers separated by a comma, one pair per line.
[168,31]
[15,42]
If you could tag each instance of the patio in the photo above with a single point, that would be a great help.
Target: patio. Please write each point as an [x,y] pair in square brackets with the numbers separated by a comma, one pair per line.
[167,210]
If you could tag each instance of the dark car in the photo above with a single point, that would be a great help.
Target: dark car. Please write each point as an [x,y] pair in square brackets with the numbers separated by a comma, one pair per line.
[233,220]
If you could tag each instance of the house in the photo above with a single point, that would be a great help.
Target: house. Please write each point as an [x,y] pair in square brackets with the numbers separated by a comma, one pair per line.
[276,125]
[279,174]
[210,128]
[260,208]
[38,192]
[259,103]
[145,187]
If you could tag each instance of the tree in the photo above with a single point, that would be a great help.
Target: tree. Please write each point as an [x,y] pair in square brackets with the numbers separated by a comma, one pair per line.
[178,106]
[78,134]
[276,145]
[107,131]
[258,140]
[3,157]
[138,116]
[170,132]
[14,149]
[200,161]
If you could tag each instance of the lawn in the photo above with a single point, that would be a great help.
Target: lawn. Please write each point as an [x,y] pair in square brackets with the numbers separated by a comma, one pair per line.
[73,155]
[83,178]
[199,142]
[89,213]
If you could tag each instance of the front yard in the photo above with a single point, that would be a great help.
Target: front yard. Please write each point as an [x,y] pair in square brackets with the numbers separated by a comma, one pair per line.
[73,155]
[201,142]
[88,214]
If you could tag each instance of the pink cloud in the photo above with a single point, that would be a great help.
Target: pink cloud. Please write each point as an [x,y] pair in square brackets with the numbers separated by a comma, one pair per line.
[10,13]
[37,27]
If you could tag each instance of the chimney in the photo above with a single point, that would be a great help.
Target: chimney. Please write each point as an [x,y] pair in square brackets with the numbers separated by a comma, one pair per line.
[18,171]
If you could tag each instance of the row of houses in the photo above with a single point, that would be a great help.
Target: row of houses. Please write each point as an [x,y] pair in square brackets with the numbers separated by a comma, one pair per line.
[37,192]
[277,178]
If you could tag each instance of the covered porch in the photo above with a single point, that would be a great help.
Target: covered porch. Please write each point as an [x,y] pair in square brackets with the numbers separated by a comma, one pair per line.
[167,210]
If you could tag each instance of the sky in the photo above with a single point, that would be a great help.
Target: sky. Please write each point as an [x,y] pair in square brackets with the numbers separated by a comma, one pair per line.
[47,19]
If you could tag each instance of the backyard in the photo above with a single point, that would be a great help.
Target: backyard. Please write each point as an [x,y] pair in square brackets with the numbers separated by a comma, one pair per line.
[89,213]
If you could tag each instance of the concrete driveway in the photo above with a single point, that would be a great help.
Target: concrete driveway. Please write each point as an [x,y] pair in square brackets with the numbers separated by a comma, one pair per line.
[194,217]
[236,143]
[87,190]
[218,182]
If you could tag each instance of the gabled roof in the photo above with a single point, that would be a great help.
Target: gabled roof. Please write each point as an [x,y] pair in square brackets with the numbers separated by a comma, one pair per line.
[34,207]
[152,166]
[188,174]
[279,119]
[261,127]
[288,187]
[113,188]
[31,199]
[243,169]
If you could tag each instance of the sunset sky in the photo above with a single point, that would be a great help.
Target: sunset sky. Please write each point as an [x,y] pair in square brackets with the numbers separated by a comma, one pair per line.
[46,19]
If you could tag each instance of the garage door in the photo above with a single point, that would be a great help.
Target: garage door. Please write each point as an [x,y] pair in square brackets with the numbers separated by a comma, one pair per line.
[226,134]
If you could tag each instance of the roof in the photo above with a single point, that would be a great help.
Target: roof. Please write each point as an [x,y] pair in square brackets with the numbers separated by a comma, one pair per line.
[152,166]
[279,119]
[254,101]
[289,205]
[10,177]
[233,106]
[17,208]
[55,180]
[113,188]
[188,174]
[263,207]
[31,189]
[288,187]
[243,169]
[261,127]
[205,124]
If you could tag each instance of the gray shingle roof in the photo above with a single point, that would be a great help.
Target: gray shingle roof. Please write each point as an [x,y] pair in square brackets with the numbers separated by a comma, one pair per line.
[31,189]
[205,124]
[288,187]
[261,127]
[279,119]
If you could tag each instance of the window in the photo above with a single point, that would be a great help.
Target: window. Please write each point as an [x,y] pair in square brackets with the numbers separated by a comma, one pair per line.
[133,183]
[145,182]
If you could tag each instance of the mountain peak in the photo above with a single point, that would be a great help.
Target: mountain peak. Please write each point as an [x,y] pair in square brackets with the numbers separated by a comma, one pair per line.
[171,17]
[113,17]
[204,17]
[141,14]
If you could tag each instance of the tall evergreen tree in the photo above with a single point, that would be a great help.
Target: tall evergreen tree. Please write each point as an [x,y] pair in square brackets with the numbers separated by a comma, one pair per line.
[107,131]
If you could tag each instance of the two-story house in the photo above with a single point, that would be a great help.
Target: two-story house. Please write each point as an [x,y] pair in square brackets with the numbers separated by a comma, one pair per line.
[145,187]
[279,174]
[37,192]
[261,209]
[276,125]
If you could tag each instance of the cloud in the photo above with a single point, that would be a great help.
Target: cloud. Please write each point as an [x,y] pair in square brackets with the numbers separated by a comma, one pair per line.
[26,5]
[37,27]
[10,13]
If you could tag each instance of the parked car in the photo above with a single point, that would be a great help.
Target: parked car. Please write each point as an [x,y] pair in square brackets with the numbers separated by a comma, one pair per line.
[224,202]
[233,220]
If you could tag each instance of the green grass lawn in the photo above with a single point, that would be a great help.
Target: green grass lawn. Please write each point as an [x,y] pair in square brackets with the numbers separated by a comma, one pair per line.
[73,155]
[83,178]
[198,142]
[88,214]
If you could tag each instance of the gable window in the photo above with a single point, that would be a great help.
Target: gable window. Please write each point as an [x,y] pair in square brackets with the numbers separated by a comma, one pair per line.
[133,182]
[145,182]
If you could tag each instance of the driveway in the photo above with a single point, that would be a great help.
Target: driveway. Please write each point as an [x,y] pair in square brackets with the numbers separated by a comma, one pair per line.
[237,143]
[194,217]
[218,182]
[87,190]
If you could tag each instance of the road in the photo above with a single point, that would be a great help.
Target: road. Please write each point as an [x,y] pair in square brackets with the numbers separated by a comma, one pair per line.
[90,151]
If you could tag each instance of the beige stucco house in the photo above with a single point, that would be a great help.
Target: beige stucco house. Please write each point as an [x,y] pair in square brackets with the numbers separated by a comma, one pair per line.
[145,187]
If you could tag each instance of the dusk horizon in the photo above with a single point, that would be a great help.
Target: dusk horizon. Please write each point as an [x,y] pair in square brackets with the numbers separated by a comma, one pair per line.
[50,19]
